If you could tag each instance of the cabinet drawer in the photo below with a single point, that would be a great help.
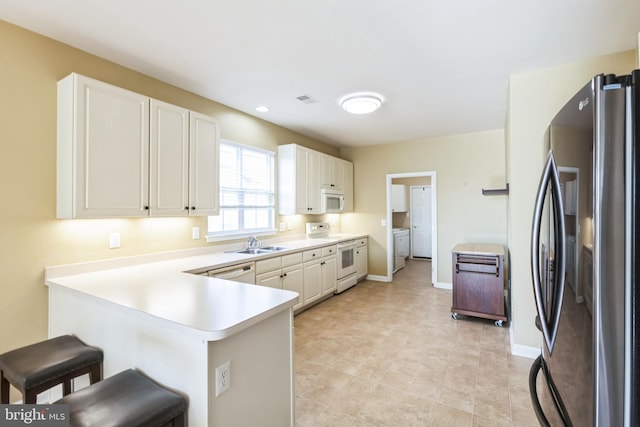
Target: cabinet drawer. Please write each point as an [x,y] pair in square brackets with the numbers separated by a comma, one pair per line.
[329,250]
[291,259]
[269,264]
[477,264]
[311,255]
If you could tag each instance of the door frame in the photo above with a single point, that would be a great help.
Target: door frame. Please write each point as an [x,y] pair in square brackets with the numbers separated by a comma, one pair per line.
[434,222]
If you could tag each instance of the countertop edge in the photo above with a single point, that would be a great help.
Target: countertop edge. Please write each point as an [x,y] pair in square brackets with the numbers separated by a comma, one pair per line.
[205,335]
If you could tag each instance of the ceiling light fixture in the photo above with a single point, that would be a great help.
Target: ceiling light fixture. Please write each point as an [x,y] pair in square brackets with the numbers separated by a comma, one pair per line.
[262,109]
[361,103]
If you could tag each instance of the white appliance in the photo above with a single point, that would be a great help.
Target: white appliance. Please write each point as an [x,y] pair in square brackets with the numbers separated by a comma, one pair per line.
[347,268]
[244,273]
[400,247]
[345,257]
[331,201]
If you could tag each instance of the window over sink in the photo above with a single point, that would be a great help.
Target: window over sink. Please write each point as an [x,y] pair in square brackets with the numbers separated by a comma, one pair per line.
[247,197]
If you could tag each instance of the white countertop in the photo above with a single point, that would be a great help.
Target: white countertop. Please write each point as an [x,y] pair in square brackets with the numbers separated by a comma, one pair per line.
[157,285]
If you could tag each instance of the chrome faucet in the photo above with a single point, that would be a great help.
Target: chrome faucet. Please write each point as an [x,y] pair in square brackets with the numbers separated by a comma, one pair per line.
[252,241]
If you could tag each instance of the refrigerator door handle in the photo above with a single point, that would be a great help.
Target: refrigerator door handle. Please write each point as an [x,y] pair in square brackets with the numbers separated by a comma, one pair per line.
[549,316]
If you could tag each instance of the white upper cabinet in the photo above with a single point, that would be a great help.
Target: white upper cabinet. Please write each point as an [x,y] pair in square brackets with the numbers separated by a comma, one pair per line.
[303,173]
[347,185]
[103,150]
[398,198]
[169,161]
[122,154]
[331,173]
[298,180]
[204,184]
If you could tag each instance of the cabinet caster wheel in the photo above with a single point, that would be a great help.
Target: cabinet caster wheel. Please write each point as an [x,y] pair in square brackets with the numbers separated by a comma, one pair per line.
[499,323]
[454,316]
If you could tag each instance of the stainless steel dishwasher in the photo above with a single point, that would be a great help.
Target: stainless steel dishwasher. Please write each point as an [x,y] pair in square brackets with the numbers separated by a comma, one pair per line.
[245,273]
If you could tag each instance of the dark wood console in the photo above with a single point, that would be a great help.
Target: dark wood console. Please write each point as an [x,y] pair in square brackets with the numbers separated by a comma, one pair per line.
[479,282]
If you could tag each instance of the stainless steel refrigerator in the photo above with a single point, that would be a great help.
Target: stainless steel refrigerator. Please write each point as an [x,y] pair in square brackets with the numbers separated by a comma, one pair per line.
[585,260]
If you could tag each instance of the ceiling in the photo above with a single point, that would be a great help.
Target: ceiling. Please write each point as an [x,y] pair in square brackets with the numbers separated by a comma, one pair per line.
[442,66]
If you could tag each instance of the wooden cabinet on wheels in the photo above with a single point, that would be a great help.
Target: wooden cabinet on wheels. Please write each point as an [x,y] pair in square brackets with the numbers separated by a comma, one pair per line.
[479,282]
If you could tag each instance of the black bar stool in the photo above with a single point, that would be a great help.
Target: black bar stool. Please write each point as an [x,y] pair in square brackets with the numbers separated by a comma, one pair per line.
[127,399]
[41,366]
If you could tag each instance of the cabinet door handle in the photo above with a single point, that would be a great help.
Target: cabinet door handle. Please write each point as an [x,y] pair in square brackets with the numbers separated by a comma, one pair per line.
[193,208]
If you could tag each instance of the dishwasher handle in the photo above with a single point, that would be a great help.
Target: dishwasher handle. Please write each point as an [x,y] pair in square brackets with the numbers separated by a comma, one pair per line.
[233,273]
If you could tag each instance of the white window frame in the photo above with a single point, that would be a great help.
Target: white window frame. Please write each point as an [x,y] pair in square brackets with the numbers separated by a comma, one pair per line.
[214,236]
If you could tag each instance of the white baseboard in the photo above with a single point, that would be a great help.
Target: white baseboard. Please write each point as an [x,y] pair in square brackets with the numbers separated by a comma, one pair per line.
[522,350]
[376,278]
[441,285]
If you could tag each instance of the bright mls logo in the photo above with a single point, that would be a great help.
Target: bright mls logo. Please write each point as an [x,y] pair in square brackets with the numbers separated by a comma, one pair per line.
[34,415]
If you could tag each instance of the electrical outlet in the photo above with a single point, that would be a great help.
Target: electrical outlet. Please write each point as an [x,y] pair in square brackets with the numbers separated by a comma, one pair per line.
[195,233]
[114,240]
[223,378]
[282,226]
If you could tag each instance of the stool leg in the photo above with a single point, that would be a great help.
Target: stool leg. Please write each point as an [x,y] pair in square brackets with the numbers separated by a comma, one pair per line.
[95,374]
[180,420]
[66,387]
[4,389]
[30,398]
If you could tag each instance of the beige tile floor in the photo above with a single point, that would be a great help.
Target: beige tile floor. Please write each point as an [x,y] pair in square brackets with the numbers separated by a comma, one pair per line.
[389,354]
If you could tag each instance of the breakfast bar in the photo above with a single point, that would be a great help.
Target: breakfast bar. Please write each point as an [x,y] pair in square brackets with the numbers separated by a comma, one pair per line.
[178,328]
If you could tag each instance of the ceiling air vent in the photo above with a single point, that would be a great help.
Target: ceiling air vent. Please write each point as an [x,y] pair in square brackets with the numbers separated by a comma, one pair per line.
[307,99]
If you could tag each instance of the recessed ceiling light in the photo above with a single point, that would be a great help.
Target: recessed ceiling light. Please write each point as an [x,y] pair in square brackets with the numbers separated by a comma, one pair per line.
[262,109]
[361,103]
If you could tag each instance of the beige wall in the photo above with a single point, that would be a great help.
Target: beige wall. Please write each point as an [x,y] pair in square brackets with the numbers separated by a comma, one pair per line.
[464,164]
[534,99]
[32,237]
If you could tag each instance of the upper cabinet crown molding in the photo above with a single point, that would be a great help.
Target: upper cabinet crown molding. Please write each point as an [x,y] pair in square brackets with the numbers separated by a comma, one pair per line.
[122,154]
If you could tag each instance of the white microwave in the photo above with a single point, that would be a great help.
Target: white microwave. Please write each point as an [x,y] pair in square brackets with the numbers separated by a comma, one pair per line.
[331,201]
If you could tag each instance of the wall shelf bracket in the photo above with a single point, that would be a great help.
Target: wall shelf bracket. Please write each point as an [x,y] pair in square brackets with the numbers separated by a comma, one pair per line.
[496,191]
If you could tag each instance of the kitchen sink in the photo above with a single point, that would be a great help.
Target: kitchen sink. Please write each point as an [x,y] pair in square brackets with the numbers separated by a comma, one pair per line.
[260,250]
[252,251]
[273,248]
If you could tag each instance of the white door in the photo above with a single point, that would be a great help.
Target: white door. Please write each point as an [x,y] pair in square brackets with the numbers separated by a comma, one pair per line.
[421,221]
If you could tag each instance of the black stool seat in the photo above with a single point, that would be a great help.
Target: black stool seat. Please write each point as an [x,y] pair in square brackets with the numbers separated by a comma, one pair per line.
[127,399]
[38,367]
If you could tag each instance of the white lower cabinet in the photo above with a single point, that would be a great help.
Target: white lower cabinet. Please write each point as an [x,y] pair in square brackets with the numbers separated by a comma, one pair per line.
[312,281]
[283,272]
[320,273]
[313,274]
[272,279]
[362,260]
[292,280]
[329,271]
